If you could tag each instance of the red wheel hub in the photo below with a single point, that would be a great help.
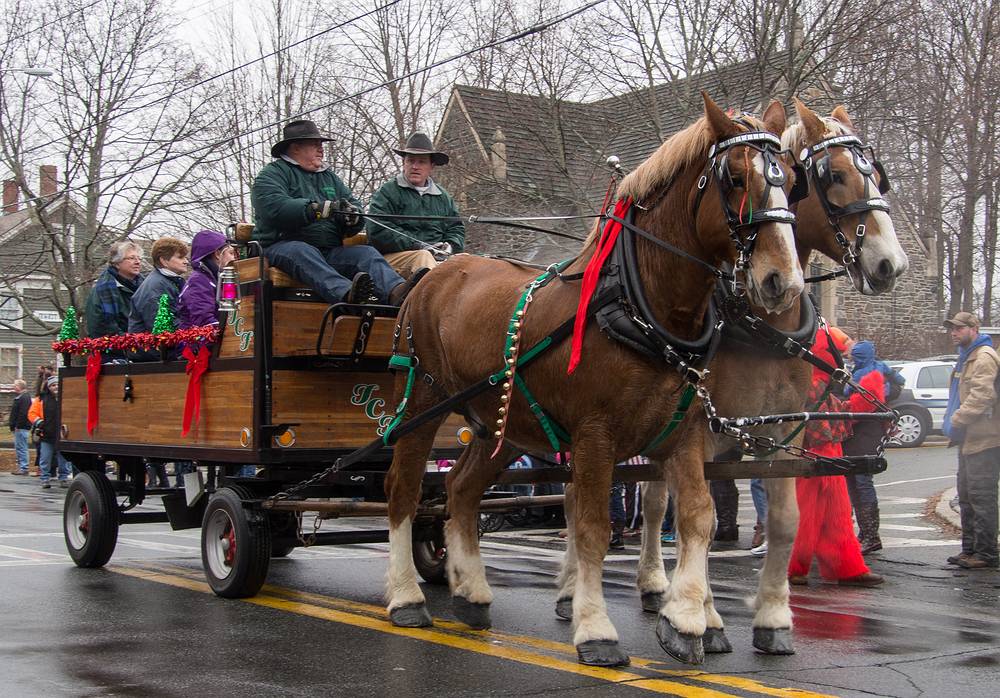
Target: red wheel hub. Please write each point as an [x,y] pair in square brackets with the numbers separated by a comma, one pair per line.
[230,554]
[84,518]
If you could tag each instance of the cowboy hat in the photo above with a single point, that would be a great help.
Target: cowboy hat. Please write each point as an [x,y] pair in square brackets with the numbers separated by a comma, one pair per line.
[304,130]
[420,144]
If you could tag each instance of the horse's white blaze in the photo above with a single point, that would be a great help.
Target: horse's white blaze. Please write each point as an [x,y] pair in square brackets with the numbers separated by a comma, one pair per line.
[880,244]
[652,577]
[771,602]
[590,615]
[788,266]
[466,572]
[402,586]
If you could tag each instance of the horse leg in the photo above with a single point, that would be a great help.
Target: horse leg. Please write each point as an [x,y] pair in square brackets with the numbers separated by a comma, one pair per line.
[566,581]
[474,472]
[682,620]
[595,637]
[652,577]
[406,605]
[772,623]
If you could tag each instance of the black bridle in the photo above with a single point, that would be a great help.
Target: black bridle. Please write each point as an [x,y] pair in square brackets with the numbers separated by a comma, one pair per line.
[817,162]
[743,232]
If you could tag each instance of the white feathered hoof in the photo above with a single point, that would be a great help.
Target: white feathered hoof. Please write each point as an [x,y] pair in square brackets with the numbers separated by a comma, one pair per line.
[601,653]
[684,647]
[411,616]
[715,641]
[564,608]
[475,615]
[652,601]
[773,640]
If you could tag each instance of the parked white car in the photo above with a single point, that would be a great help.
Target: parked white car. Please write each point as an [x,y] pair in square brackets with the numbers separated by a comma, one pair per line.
[923,401]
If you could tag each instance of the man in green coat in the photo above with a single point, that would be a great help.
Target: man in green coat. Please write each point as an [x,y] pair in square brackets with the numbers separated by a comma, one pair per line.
[303,212]
[408,244]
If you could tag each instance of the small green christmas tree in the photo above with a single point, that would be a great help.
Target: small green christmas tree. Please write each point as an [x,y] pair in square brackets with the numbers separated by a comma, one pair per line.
[70,329]
[164,321]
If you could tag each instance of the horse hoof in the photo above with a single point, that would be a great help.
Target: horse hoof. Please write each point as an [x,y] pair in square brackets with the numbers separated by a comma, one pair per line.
[652,601]
[564,609]
[684,647]
[773,640]
[475,615]
[411,616]
[715,641]
[601,653]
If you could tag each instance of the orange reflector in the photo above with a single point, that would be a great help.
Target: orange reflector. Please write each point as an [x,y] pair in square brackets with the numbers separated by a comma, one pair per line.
[465,436]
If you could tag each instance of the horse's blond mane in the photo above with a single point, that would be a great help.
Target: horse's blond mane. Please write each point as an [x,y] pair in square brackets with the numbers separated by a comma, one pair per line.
[673,155]
[795,139]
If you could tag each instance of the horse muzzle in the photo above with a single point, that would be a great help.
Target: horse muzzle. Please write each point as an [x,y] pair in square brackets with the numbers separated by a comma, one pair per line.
[776,291]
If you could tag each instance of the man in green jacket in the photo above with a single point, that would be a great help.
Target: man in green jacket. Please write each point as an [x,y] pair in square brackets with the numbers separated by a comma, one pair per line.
[303,212]
[408,244]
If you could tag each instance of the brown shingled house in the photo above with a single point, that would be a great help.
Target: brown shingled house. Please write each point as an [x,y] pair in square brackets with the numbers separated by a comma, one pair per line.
[517,154]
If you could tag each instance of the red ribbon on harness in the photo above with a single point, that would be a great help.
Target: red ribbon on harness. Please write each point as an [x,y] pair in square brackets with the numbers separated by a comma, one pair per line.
[197,364]
[591,275]
[93,375]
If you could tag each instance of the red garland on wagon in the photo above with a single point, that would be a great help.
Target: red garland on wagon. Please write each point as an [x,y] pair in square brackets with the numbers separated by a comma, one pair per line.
[206,334]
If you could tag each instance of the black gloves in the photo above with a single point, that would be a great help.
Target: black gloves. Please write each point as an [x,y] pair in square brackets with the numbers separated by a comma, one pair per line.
[347,216]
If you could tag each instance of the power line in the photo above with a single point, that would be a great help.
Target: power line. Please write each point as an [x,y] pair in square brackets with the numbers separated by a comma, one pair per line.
[204,81]
[52,21]
[534,29]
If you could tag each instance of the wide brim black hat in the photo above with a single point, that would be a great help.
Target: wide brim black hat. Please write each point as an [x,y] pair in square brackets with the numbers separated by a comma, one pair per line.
[420,144]
[303,130]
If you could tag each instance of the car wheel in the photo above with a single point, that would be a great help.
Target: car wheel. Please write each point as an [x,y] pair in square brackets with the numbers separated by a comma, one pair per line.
[913,427]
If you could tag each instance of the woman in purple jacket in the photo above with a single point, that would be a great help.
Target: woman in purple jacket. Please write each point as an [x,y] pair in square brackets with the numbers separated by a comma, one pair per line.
[196,306]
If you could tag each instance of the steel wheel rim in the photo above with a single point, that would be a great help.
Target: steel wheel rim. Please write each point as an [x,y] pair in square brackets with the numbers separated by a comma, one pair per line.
[220,532]
[909,428]
[76,520]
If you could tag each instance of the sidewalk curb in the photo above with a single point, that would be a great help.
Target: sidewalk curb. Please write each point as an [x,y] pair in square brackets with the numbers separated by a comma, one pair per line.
[944,510]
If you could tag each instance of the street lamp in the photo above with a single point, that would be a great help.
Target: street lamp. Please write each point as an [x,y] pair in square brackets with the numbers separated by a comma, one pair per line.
[33,72]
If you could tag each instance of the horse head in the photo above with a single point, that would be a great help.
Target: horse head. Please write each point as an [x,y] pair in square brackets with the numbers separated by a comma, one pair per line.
[845,199]
[753,226]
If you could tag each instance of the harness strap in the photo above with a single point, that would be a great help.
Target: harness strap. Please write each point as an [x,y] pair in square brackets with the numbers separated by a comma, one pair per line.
[687,397]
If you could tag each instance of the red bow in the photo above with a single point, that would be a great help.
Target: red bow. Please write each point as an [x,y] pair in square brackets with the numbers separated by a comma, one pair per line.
[93,381]
[196,367]
[591,275]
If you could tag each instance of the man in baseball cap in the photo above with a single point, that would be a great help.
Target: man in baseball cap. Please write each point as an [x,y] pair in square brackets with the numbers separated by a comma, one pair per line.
[972,421]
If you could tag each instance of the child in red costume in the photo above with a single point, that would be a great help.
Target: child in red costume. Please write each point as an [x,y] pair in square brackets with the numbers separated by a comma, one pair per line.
[825,527]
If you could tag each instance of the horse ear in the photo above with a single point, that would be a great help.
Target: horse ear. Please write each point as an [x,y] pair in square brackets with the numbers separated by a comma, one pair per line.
[774,117]
[840,114]
[815,128]
[722,126]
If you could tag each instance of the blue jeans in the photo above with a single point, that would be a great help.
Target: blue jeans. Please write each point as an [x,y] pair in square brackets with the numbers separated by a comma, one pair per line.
[616,503]
[21,449]
[48,450]
[759,496]
[861,488]
[330,273]
[181,467]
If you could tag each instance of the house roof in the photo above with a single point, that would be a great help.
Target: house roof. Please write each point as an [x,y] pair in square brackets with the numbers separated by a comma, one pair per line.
[558,148]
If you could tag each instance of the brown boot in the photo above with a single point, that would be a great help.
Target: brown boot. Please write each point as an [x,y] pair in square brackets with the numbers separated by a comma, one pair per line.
[868,579]
[957,559]
[758,535]
[399,293]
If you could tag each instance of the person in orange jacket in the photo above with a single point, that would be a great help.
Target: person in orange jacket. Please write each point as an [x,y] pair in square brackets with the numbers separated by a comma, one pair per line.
[44,418]
[826,530]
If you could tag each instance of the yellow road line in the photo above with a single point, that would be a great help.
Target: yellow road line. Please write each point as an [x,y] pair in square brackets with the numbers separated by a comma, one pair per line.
[449,633]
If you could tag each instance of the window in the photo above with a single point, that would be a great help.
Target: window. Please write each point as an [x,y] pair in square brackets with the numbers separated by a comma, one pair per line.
[10,364]
[934,377]
[10,312]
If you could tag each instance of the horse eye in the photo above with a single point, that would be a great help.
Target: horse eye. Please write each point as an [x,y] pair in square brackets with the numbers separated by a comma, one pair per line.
[837,177]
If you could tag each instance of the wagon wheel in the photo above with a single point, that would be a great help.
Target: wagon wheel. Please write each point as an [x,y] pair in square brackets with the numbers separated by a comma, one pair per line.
[90,519]
[235,544]
[430,556]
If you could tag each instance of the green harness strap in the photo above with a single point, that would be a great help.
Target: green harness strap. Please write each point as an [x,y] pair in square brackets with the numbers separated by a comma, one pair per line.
[687,397]
[407,362]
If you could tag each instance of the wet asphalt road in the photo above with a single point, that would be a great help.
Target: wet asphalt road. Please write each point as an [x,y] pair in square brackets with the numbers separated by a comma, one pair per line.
[148,625]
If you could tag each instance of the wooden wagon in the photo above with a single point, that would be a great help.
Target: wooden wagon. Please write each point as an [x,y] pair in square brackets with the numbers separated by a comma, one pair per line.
[293,385]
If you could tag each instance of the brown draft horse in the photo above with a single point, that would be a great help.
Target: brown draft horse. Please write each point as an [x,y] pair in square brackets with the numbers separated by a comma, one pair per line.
[756,383]
[459,316]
